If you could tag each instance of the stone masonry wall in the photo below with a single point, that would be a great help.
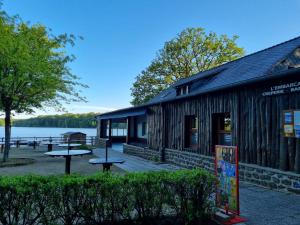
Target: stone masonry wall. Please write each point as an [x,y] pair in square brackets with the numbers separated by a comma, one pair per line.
[263,176]
[145,153]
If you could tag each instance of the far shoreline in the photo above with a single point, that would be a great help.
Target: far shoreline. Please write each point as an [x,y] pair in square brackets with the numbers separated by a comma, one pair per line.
[56,127]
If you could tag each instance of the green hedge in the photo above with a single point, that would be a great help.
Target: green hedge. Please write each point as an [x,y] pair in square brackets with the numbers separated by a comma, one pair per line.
[106,198]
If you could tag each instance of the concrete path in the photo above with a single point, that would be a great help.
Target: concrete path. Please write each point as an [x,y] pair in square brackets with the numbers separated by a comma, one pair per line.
[259,205]
[133,163]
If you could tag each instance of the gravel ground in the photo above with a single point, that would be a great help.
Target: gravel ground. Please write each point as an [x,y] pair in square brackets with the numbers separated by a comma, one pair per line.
[45,165]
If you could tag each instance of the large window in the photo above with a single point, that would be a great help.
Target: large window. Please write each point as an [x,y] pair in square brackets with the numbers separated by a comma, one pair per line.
[119,129]
[191,132]
[222,134]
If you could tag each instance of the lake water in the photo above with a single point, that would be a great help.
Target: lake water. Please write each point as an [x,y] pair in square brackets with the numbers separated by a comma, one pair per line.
[45,131]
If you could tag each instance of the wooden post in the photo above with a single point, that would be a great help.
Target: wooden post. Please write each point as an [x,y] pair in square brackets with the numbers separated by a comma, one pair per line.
[297,157]
[99,128]
[106,150]
[128,131]
[68,165]
[283,151]
[34,143]
[163,134]
[109,132]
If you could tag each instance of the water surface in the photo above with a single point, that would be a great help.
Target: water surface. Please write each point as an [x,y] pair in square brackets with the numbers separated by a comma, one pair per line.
[45,131]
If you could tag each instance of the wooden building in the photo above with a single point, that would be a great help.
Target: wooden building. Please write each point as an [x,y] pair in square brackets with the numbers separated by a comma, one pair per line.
[252,102]
[74,137]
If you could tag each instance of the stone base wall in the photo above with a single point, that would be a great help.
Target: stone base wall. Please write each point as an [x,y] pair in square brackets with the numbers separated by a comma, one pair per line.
[264,176]
[189,160]
[142,152]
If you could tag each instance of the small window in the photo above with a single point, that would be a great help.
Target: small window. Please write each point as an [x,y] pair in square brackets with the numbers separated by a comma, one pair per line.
[144,128]
[222,133]
[183,90]
[191,132]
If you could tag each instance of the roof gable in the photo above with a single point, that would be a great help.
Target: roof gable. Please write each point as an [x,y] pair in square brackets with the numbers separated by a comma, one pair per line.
[264,63]
[291,61]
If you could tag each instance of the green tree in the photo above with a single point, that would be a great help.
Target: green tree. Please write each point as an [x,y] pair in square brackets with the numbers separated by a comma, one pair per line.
[190,52]
[34,70]
[69,120]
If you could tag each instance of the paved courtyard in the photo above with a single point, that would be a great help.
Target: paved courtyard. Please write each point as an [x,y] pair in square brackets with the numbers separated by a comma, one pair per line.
[45,165]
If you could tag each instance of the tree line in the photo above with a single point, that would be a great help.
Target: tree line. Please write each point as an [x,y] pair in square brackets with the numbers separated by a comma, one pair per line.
[68,120]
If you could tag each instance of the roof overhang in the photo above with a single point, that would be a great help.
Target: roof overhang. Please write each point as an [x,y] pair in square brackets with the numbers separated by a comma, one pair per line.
[120,114]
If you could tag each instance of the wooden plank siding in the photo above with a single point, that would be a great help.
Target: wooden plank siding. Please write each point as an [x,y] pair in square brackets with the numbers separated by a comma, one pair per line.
[256,125]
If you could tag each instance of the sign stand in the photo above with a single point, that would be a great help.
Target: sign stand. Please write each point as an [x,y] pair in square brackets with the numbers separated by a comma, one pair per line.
[227,193]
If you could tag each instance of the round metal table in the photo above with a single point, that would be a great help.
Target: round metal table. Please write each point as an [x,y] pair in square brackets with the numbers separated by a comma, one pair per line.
[106,163]
[67,154]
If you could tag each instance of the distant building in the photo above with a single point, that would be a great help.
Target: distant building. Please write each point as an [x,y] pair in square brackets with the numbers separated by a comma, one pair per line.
[252,102]
[74,137]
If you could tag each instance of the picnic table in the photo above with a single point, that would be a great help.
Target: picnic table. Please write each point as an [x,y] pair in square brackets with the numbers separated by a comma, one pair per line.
[67,154]
[107,162]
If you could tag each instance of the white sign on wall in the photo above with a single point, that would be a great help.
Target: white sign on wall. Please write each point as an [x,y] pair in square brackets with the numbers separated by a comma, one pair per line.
[283,89]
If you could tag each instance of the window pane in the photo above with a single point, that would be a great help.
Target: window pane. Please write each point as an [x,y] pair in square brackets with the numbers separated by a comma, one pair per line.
[191,131]
[194,138]
[227,124]
[141,128]
[222,129]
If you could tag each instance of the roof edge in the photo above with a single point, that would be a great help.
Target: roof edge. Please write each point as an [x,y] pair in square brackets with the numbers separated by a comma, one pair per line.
[246,82]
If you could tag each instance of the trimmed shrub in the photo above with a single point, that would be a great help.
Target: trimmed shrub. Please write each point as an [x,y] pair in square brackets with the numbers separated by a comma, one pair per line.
[107,198]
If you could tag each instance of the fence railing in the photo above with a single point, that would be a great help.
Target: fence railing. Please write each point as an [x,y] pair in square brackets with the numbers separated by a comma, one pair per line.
[89,140]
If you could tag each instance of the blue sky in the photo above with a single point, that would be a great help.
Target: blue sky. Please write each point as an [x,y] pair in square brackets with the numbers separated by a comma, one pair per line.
[122,37]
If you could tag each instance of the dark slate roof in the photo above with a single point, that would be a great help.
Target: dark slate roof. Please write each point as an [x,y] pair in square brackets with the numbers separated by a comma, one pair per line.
[251,68]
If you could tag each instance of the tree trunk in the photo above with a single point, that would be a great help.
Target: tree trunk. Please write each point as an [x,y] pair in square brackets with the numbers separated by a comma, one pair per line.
[7,134]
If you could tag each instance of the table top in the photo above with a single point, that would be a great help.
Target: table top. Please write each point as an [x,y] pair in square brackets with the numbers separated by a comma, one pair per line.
[69,145]
[68,153]
[103,160]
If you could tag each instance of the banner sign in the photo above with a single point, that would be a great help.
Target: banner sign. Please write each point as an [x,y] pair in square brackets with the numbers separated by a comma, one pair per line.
[291,123]
[283,89]
[226,169]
